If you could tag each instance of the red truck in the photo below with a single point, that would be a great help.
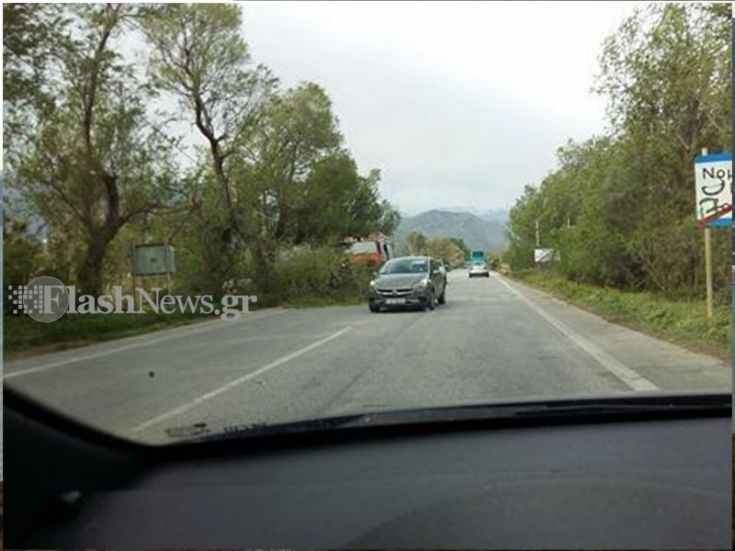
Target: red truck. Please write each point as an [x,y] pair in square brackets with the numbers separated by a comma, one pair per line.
[372,250]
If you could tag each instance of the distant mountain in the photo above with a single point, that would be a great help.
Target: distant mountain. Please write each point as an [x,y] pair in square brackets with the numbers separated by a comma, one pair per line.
[476,231]
[496,215]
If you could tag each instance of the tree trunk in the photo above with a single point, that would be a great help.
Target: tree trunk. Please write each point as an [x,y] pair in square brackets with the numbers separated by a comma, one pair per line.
[89,276]
[265,268]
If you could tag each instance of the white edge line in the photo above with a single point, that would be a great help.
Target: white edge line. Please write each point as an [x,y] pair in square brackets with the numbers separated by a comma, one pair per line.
[232,384]
[627,375]
[208,327]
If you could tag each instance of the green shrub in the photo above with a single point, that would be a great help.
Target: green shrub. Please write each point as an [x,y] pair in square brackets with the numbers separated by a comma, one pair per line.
[320,276]
[21,332]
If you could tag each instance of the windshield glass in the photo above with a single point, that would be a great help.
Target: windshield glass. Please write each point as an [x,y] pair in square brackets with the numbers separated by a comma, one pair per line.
[364,247]
[405,266]
[190,191]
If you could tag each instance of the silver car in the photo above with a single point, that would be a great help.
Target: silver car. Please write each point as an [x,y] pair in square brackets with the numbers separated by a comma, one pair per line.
[479,269]
[409,281]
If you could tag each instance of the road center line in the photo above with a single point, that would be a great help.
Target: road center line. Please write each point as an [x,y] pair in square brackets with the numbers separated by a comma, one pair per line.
[232,384]
[123,348]
[627,375]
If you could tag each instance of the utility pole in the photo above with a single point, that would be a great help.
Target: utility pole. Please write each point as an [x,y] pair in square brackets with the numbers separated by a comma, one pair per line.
[538,238]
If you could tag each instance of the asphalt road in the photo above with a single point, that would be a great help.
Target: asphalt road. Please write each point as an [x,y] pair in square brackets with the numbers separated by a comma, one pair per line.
[494,339]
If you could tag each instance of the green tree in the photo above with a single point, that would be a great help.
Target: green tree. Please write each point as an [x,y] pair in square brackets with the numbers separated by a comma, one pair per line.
[200,56]
[447,250]
[416,243]
[335,201]
[462,246]
[619,208]
[32,36]
[667,74]
[92,165]
[22,253]
[297,129]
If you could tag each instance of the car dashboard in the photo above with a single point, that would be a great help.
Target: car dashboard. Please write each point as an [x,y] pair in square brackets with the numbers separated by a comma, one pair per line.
[644,483]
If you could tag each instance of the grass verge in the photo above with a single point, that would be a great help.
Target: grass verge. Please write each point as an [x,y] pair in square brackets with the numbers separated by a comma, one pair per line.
[682,322]
[24,336]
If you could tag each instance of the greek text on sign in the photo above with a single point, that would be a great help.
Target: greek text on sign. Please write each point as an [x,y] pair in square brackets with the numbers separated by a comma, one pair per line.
[713,181]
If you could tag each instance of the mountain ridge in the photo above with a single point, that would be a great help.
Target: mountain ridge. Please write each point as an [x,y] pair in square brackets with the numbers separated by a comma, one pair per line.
[477,231]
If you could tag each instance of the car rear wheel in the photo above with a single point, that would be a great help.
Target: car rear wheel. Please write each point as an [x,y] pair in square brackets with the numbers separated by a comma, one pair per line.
[442,298]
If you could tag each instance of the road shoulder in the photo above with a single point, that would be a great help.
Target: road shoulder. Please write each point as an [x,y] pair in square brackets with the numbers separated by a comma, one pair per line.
[665,364]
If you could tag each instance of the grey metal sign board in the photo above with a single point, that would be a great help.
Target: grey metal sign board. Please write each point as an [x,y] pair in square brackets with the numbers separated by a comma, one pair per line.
[152,259]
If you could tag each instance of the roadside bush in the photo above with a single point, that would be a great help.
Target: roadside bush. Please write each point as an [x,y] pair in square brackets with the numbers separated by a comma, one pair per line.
[320,276]
[22,332]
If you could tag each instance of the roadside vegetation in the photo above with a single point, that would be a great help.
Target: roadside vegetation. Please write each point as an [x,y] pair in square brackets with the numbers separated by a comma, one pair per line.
[453,251]
[27,334]
[306,278]
[620,208]
[684,322]
[257,203]
[95,168]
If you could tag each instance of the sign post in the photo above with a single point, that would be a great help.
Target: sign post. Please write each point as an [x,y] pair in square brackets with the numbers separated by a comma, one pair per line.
[708,268]
[153,259]
[713,182]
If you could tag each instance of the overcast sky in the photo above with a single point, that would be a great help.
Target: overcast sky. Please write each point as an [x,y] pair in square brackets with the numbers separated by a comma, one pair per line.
[458,104]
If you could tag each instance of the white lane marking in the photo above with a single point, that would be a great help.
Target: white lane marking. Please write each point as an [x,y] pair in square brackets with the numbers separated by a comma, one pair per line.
[128,346]
[627,375]
[232,384]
